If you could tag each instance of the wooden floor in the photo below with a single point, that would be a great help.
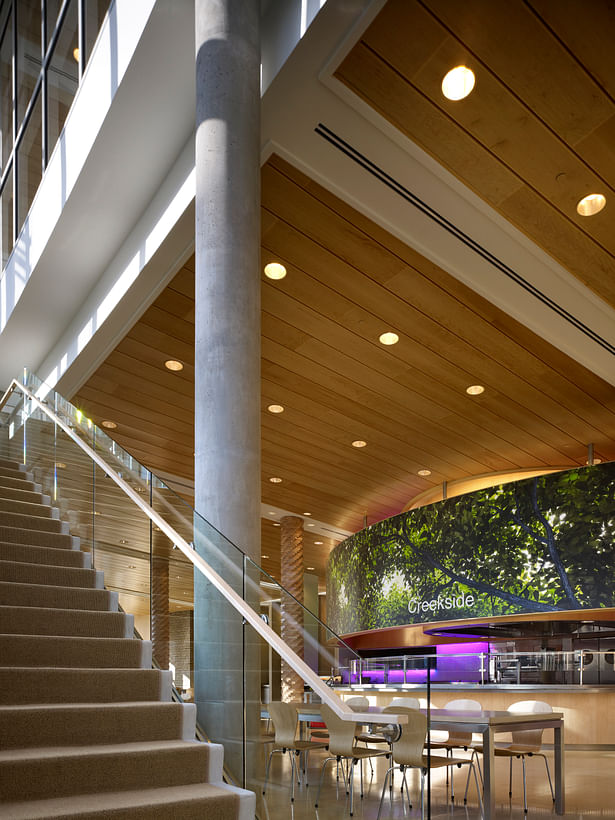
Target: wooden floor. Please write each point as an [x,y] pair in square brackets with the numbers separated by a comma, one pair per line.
[590,793]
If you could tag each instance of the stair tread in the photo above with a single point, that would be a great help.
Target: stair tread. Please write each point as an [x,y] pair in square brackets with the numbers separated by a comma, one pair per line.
[123,804]
[132,747]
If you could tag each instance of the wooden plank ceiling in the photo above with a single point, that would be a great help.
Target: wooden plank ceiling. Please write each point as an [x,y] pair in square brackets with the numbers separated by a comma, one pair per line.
[537,132]
[348,281]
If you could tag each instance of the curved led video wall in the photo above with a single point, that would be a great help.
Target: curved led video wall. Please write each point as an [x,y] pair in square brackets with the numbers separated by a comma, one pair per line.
[536,545]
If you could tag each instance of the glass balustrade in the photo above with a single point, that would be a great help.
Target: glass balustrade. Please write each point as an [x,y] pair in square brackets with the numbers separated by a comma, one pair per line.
[216,659]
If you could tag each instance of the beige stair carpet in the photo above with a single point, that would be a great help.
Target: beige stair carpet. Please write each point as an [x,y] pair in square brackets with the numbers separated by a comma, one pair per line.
[87,727]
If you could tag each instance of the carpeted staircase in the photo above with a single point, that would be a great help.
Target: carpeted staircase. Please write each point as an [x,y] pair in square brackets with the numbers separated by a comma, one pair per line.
[87,727]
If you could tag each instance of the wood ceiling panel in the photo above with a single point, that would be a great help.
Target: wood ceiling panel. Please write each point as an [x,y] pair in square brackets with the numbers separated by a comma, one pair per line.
[348,281]
[532,138]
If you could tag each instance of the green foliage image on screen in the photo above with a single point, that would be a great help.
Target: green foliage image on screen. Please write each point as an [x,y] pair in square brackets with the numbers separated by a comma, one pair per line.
[535,545]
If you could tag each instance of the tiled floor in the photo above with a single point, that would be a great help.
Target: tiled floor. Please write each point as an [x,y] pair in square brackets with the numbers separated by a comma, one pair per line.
[590,793]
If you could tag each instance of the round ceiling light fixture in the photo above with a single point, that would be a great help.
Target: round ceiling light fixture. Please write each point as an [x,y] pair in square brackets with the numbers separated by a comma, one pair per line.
[475,390]
[311,524]
[388,338]
[275,270]
[108,425]
[591,204]
[275,408]
[424,472]
[458,83]
[174,365]
[275,479]
[310,569]
[264,556]
[318,543]
[359,443]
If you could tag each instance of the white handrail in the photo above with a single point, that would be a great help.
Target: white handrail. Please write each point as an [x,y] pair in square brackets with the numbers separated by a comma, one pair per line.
[248,614]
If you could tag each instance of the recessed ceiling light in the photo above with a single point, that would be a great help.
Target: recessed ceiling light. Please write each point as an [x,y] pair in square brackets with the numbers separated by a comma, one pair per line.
[174,365]
[318,543]
[97,513]
[276,524]
[275,408]
[60,465]
[388,338]
[307,513]
[264,556]
[595,461]
[475,390]
[591,204]
[309,568]
[359,443]
[311,524]
[424,472]
[132,566]
[458,83]
[76,55]
[275,479]
[271,512]
[109,425]
[275,270]
[123,541]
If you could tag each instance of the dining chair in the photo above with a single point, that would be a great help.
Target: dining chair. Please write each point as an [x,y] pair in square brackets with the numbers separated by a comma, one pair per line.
[342,747]
[525,743]
[457,739]
[408,753]
[284,717]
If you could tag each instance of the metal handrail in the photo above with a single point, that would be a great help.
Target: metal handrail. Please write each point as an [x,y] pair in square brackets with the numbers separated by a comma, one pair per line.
[248,614]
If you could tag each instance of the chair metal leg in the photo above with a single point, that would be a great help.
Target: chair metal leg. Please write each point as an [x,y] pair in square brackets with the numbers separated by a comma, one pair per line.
[352,763]
[384,787]
[524,786]
[361,770]
[480,799]
[544,757]
[271,754]
[510,778]
[423,771]
[292,777]
[322,775]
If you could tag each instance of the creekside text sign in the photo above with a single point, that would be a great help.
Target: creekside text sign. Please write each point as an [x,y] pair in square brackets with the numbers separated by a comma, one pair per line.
[436,604]
[537,545]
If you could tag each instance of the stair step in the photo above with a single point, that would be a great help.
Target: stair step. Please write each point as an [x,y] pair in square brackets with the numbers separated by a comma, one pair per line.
[53,556]
[89,724]
[23,573]
[33,774]
[33,522]
[48,595]
[202,801]
[13,482]
[15,473]
[28,496]
[57,685]
[76,653]
[12,465]
[28,620]
[12,505]
[39,538]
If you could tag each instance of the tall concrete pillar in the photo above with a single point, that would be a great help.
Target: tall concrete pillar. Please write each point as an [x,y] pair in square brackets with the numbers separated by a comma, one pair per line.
[227,361]
[291,572]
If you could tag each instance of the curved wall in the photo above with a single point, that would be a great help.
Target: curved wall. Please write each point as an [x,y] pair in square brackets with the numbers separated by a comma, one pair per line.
[538,545]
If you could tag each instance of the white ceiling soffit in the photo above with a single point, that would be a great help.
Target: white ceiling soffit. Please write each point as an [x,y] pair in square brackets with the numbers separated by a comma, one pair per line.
[305,95]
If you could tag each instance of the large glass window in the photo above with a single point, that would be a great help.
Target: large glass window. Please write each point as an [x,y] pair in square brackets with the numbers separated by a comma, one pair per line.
[29,166]
[6,84]
[29,57]
[39,97]
[6,210]
[62,75]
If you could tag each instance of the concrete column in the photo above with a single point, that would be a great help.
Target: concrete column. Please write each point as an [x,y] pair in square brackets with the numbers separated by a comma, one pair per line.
[227,362]
[291,571]
[159,616]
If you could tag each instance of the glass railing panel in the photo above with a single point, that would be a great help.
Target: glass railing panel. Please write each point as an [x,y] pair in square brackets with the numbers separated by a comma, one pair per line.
[223,667]
[121,537]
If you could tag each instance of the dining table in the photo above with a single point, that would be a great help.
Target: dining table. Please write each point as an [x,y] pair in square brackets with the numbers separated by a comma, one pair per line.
[487,723]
